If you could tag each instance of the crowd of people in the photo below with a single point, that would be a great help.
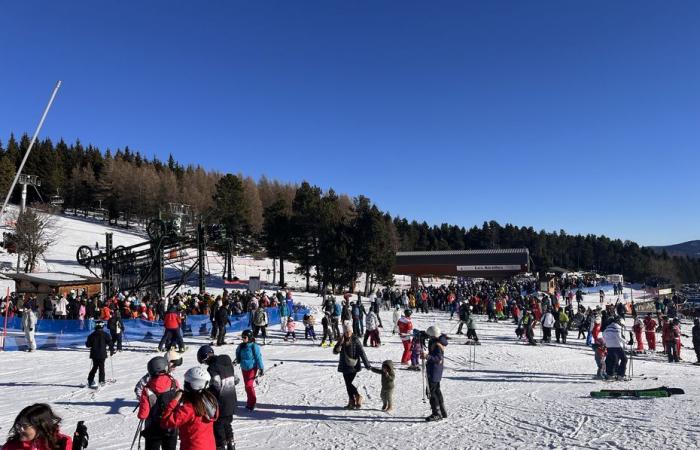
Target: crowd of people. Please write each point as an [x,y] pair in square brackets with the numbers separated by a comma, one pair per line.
[200,413]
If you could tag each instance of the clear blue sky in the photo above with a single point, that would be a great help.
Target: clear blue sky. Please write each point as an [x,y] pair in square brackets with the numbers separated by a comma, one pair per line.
[582,116]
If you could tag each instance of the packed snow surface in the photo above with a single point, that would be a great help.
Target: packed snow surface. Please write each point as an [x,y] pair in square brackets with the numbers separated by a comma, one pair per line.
[514,396]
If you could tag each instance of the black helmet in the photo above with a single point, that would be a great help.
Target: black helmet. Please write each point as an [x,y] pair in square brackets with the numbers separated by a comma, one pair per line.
[99,324]
[407,313]
[157,365]
[204,352]
[247,333]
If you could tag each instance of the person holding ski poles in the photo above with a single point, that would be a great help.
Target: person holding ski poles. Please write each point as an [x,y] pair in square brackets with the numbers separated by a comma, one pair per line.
[435,362]
[351,354]
[406,332]
[249,357]
[98,341]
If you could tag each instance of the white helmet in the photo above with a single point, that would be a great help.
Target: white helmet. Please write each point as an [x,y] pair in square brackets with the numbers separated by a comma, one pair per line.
[197,378]
[433,331]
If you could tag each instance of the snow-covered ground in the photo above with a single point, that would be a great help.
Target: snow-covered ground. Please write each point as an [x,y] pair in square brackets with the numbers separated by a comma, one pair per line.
[515,396]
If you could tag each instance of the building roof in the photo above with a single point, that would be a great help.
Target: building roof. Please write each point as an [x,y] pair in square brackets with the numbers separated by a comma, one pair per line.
[53,278]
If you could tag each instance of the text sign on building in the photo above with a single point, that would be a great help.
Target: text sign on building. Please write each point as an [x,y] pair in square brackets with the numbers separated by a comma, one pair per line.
[486,268]
[668,291]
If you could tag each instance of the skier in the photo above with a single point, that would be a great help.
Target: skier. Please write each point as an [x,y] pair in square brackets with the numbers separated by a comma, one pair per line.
[638,327]
[396,315]
[547,324]
[351,354]
[417,349]
[260,322]
[249,357]
[29,327]
[223,386]
[325,323]
[562,329]
[155,396]
[406,333]
[371,329]
[696,339]
[171,322]
[435,361]
[387,393]
[221,319]
[291,327]
[116,329]
[464,313]
[309,322]
[193,412]
[600,352]
[674,354]
[36,427]
[616,360]
[471,331]
[650,332]
[98,341]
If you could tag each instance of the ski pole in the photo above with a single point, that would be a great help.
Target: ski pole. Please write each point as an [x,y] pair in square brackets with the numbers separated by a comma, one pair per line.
[137,434]
[422,375]
[111,365]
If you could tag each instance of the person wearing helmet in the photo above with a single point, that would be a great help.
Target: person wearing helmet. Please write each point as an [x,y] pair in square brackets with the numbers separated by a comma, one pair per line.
[193,412]
[223,386]
[98,341]
[696,340]
[406,333]
[174,360]
[249,357]
[160,389]
[435,361]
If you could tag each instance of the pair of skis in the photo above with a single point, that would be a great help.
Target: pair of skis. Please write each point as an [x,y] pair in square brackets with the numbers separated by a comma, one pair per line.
[660,392]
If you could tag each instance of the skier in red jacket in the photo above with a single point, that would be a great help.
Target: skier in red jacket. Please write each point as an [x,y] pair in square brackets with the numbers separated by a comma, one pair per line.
[406,332]
[172,322]
[193,412]
[650,331]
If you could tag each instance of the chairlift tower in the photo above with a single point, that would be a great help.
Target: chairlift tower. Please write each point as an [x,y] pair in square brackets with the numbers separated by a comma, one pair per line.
[27,180]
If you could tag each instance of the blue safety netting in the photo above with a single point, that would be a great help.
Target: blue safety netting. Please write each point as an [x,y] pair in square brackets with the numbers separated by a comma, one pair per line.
[52,334]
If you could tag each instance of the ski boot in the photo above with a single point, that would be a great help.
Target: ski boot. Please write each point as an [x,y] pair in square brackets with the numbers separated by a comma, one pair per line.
[350,405]
[433,418]
[92,384]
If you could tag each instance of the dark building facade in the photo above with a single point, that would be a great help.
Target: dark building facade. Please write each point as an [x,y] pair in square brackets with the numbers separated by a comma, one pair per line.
[494,263]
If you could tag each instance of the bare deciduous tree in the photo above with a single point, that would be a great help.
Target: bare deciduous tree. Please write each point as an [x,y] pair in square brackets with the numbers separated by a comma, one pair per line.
[34,236]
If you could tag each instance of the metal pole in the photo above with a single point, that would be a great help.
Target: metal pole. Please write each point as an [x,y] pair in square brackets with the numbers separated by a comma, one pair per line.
[24,197]
[4,328]
[31,144]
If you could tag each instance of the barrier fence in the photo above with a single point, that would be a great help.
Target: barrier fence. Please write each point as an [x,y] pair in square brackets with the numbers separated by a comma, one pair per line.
[53,334]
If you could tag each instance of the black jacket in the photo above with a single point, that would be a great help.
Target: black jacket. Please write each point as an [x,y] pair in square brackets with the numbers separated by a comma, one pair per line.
[223,384]
[112,324]
[353,350]
[222,317]
[97,342]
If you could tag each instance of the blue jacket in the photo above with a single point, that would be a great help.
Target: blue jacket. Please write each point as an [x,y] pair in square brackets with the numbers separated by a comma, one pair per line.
[435,361]
[249,356]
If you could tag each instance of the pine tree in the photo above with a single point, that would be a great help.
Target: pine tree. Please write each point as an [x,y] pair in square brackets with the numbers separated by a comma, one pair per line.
[230,208]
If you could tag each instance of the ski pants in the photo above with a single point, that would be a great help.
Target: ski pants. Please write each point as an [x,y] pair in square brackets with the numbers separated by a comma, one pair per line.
[116,339]
[651,339]
[214,329]
[326,335]
[31,341]
[223,432]
[546,334]
[249,383]
[220,334]
[97,364]
[406,356]
[334,327]
[672,351]
[471,334]
[169,336]
[459,328]
[437,404]
[164,442]
[697,350]
[349,387]
[262,329]
[616,362]
[310,332]
[640,342]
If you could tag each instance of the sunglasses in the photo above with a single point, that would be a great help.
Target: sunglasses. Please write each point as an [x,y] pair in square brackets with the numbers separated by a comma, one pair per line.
[23,426]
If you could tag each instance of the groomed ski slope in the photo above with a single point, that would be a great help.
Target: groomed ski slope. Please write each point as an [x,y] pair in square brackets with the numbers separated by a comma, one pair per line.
[516,396]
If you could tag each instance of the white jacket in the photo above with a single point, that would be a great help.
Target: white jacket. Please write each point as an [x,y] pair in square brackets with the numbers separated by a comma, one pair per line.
[371,321]
[548,320]
[614,336]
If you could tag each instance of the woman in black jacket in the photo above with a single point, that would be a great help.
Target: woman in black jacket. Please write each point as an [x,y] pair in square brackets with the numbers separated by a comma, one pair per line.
[351,352]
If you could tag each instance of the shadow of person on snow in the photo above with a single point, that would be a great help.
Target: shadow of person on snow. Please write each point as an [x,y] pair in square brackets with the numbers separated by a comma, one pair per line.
[305,412]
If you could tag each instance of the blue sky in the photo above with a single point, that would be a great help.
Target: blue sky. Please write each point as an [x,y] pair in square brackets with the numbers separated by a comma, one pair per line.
[582,116]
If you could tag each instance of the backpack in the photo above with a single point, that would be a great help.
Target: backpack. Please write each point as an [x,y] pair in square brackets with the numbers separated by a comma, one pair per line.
[338,309]
[259,319]
[158,403]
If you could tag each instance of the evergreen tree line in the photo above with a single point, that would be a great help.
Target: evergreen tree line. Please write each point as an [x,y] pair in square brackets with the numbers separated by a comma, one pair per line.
[330,235]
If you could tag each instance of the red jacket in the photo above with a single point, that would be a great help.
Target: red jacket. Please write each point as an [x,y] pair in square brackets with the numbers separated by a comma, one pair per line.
[37,444]
[196,432]
[172,320]
[405,328]
[650,324]
[156,385]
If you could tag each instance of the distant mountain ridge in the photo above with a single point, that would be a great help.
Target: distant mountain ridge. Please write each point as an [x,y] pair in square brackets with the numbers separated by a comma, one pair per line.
[690,248]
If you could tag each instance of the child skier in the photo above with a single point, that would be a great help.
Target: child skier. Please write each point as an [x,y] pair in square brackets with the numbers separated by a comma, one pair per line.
[309,322]
[193,412]
[471,331]
[98,341]
[600,351]
[417,348]
[325,323]
[638,328]
[159,391]
[291,326]
[388,376]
